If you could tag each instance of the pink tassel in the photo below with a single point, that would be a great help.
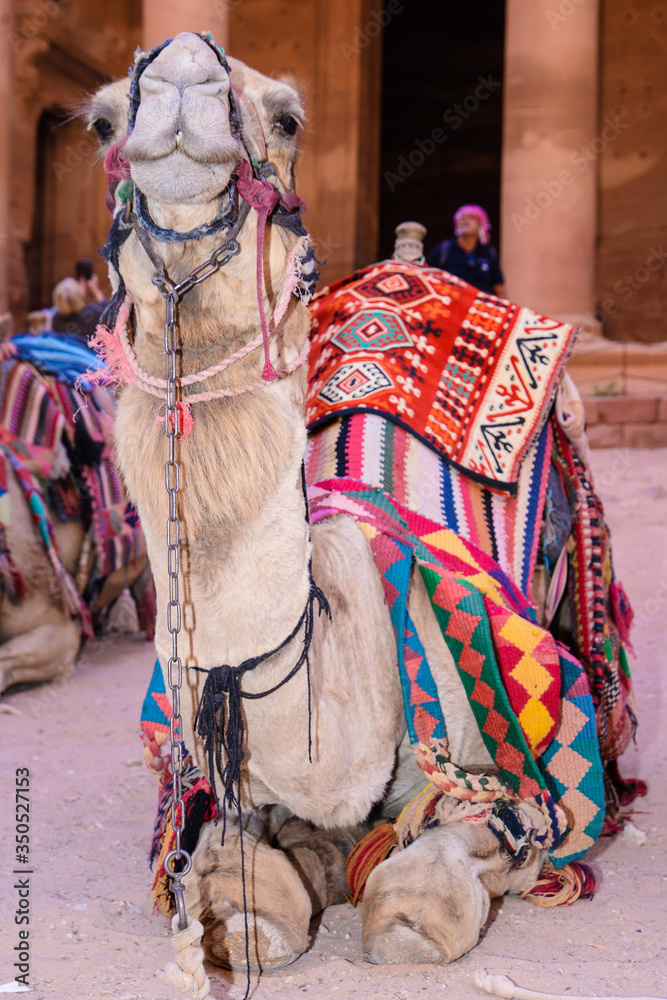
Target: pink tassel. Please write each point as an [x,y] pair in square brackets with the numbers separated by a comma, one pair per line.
[107,345]
[269,372]
[118,169]
[115,164]
[185,419]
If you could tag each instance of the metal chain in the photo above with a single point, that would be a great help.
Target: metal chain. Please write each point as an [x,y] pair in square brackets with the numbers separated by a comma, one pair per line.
[174,666]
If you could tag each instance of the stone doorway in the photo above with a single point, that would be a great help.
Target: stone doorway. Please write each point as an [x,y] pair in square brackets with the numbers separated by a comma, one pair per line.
[70,219]
[442,105]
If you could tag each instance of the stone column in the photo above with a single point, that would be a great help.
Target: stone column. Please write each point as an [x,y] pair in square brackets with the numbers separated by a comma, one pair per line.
[551,143]
[6,69]
[166,18]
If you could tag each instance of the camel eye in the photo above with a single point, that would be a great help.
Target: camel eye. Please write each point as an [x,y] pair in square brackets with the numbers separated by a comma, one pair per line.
[288,124]
[104,129]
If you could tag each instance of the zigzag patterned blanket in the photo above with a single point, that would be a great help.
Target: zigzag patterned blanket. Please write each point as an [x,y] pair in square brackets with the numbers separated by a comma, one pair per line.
[470,374]
[529,695]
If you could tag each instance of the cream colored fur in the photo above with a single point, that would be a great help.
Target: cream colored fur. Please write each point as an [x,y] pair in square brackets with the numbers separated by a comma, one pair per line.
[246,555]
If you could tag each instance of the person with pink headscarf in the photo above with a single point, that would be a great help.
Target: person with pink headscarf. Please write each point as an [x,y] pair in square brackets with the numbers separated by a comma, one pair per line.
[470,256]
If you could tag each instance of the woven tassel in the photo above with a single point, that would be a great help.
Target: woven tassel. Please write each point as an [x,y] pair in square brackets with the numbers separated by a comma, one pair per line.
[562,886]
[371,851]
[219,723]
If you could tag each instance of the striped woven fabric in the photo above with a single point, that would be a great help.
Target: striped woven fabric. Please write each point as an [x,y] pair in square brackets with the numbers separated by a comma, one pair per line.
[378,452]
[40,409]
[27,408]
[17,453]
[118,536]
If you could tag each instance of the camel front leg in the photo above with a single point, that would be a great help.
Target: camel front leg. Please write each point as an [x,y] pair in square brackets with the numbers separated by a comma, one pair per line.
[279,906]
[429,902]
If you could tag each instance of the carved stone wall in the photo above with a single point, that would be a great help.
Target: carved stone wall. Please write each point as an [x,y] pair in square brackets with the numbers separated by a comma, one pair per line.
[333,53]
[51,187]
[632,223]
[61,51]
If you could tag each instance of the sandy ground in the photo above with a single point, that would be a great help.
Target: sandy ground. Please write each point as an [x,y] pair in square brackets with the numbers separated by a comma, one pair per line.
[92,806]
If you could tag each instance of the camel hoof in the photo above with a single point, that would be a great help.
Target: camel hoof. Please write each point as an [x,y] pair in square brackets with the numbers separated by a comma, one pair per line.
[425,904]
[402,945]
[269,945]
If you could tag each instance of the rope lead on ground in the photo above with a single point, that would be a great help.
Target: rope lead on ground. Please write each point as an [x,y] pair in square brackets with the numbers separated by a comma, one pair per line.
[502,986]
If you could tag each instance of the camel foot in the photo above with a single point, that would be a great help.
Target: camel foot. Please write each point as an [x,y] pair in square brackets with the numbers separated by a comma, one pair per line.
[428,903]
[278,905]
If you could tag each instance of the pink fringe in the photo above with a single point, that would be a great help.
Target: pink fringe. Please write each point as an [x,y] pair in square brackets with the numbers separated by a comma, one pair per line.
[106,344]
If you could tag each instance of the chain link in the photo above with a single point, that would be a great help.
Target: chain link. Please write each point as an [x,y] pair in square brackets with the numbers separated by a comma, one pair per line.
[172,480]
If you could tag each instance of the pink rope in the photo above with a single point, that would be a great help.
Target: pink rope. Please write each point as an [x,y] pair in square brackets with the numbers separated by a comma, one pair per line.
[122,365]
[263,197]
[121,362]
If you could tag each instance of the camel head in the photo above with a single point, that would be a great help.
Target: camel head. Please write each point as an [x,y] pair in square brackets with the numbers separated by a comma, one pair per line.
[188,116]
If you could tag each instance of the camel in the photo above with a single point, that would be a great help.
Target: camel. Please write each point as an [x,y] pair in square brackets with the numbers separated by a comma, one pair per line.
[41,626]
[326,749]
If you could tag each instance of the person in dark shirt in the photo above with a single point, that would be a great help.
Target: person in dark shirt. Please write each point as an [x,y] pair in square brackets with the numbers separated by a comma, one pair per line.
[469,256]
[72,315]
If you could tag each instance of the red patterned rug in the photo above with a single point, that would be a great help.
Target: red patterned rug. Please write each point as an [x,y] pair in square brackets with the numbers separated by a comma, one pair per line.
[470,374]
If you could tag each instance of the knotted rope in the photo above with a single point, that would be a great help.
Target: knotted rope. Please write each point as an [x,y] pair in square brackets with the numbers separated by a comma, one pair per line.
[502,986]
[517,825]
[122,365]
[187,972]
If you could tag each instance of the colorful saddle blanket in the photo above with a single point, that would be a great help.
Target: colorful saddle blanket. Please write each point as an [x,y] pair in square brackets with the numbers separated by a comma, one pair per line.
[470,374]
[530,697]
[43,411]
[18,454]
[372,450]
